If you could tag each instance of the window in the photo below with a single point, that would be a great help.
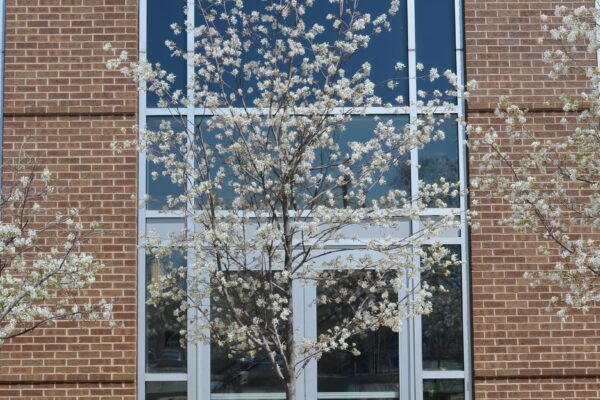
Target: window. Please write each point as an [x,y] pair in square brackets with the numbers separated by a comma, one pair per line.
[429,359]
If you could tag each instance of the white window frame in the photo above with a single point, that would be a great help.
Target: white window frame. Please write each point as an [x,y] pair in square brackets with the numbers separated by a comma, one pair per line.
[411,379]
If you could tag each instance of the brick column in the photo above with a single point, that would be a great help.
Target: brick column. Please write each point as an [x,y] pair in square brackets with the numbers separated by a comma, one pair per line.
[62,101]
[520,351]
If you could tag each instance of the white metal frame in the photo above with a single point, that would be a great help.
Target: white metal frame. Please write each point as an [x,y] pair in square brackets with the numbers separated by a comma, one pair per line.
[411,370]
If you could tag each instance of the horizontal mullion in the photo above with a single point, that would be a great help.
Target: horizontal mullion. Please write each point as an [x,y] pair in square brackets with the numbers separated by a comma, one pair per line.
[443,374]
[166,112]
[357,395]
[164,214]
[247,396]
[300,111]
[430,212]
[444,240]
[165,377]
[440,211]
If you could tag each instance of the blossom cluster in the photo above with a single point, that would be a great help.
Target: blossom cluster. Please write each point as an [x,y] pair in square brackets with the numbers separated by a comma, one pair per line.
[553,188]
[276,192]
[43,272]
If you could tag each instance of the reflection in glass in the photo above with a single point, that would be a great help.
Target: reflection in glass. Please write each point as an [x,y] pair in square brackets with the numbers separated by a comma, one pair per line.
[207,138]
[241,375]
[442,330]
[385,50]
[233,373]
[161,14]
[435,43]
[160,188]
[166,390]
[376,369]
[361,129]
[443,389]
[439,159]
[164,352]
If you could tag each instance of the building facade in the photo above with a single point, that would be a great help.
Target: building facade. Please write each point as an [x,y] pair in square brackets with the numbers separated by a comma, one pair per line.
[59,97]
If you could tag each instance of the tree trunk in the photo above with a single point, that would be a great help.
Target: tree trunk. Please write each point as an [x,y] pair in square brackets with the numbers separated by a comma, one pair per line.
[290,388]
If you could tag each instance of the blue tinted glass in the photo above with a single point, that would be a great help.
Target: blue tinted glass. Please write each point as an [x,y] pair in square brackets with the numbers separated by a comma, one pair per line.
[443,389]
[384,50]
[161,14]
[164,352]
[233,82]
[361,129]
[442,329]
[207,136]
[439,158]
[158,189]
[435,42]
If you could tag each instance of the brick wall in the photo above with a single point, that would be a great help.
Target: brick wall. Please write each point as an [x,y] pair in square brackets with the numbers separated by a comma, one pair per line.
[520,351]
[60,98]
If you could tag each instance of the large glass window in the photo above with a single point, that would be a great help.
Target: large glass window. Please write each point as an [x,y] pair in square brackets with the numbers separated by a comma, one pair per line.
[376,368]
[431,352]
[164,350]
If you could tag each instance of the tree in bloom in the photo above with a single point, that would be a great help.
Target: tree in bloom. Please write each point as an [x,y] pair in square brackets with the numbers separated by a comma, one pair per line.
[43,272]
[281,189]
[553,188]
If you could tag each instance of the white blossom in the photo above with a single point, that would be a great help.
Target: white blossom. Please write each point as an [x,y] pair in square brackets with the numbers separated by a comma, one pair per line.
[553,187]
[274,185]
[41,283]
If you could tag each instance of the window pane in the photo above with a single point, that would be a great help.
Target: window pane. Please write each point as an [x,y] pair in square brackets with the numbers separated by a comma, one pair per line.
[384,50]
[164,352]
[439,159]
[442,329]
[166,390]
[161,14]
[435,41]
[239,372]
[443,389]
[376,369]
[158,189]
[361,129]
[206,138]
[237,375]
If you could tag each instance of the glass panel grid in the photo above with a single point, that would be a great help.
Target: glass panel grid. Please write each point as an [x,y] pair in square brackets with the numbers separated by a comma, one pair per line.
[412,111]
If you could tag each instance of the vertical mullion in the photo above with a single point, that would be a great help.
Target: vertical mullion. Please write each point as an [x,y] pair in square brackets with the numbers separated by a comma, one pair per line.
[141,222]
[463,164]
[192,364]
[298,307]
[310,333]
[410,372]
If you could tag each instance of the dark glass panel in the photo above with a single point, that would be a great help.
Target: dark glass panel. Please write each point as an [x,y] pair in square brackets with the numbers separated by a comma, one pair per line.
[361,129]
[242,375]
[206,138]
[376,369]
[233,373]
[442,330]
[166,390]
[439,159]
[435,42]
[161,14]
[443,389]
[164,352]
[158,189]
[385,49]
